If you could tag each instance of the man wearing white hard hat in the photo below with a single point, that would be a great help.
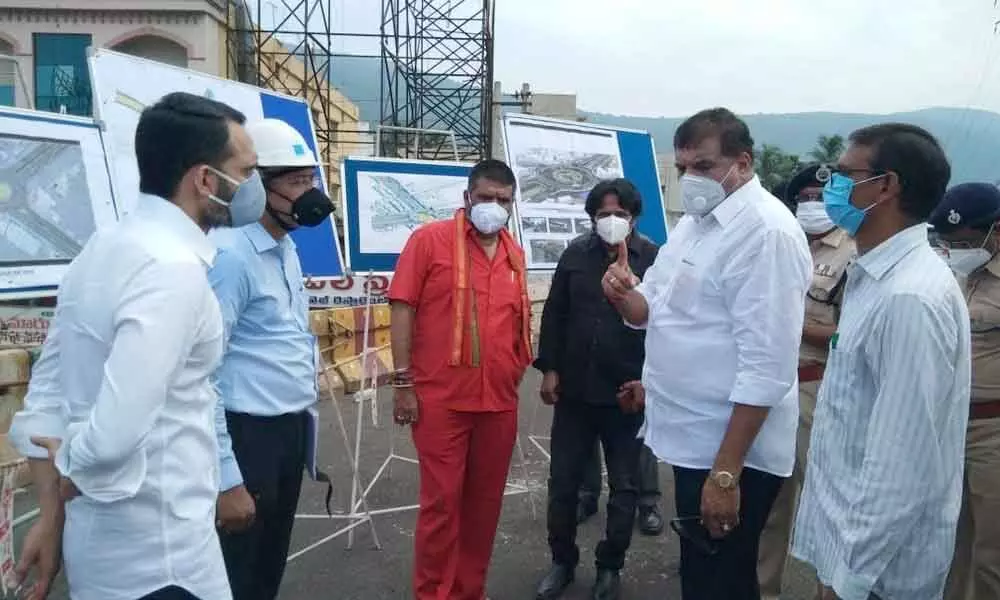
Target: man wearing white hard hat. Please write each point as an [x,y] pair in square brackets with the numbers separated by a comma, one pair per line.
[265,420]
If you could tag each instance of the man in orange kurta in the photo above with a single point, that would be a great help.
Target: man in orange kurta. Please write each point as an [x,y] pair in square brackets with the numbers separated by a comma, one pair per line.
[460,345]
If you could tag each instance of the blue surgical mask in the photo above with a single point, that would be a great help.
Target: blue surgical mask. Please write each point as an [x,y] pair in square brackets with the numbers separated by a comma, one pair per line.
[837,202]
[247,203]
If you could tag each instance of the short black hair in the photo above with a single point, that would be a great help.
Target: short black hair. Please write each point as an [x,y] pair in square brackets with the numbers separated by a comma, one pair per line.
[623,189]
[494,170]
[732,131]
[915,156]
[178,132]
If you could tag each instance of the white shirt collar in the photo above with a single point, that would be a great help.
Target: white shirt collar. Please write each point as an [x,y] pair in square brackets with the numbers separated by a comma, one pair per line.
[169,216]
[734,204]
[882,258]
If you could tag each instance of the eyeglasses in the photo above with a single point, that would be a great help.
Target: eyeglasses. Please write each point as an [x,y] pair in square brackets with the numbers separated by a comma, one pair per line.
[849,173]
[691,530]
[302,180]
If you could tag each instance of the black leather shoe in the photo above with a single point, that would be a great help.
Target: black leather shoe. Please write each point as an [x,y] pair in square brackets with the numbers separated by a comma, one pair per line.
[607,585]
[555,582]
[586,508]
[650,520]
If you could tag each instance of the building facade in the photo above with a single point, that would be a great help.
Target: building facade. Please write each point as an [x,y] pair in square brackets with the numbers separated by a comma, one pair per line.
[43,58]
[48,42]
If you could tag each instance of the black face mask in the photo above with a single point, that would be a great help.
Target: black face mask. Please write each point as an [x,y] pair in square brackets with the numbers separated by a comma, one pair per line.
[308,210]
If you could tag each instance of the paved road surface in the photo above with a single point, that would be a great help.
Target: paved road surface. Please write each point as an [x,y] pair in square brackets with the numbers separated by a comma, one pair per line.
[521,555]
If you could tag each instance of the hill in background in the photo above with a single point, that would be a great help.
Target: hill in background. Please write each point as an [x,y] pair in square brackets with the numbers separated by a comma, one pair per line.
[970,137]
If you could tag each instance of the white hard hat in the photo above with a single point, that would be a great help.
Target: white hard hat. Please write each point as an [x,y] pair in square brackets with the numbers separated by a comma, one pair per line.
[278,144]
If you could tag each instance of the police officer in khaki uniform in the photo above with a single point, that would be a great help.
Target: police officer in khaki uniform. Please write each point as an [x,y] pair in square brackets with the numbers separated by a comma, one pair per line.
[832,250]
[966,224]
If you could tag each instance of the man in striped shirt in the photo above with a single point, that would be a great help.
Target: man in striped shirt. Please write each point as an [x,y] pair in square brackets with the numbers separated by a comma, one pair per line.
[884,480]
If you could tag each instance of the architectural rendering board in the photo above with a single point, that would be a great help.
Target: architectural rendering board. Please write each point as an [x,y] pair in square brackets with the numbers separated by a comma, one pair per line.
[45,204]
[386,199]
[55,192]
[556,167]
[124,85]
[391,206]
[557,163]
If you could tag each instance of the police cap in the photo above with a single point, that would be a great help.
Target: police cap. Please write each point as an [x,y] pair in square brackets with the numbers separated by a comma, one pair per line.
[967,205]
[814,175]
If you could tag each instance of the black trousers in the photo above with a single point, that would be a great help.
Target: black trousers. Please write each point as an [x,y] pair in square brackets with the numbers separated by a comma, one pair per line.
[170,593]
[649,478]
[271,455]
[575,428]
[731,572]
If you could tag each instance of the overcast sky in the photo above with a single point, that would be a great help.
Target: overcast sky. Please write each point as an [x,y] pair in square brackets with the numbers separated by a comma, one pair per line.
[671,58]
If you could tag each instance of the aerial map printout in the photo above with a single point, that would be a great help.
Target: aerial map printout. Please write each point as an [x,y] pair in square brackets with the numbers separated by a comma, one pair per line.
[46,212]
[392,205]
[556,167]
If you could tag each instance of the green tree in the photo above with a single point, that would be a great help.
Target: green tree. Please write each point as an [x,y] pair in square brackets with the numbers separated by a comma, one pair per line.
[828,149]
[774,166]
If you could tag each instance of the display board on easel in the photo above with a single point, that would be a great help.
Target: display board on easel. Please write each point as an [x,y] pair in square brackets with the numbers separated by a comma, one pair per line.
[386,199]
[123,85]
[55,192]
[557,163]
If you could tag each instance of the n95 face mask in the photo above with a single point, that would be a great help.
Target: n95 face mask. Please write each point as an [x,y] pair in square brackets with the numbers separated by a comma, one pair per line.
[248,201]
[489,217]
[812,217]
[613,229]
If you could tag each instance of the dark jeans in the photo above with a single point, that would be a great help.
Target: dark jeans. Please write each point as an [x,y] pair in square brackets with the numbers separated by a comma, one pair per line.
[271,455]
[575,428]
[649,478]
[170,593]
[731,572]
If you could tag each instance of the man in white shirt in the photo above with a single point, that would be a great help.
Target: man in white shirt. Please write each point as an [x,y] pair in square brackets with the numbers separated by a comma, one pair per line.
[121,396]
[723,307]
[883,486]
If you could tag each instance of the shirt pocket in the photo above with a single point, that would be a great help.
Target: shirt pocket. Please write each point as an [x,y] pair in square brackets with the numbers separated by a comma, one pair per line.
[685,288]
[838,406]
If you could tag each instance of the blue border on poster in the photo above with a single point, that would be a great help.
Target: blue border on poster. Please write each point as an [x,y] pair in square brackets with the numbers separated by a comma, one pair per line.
[380,262]
[317,246]
[639,167]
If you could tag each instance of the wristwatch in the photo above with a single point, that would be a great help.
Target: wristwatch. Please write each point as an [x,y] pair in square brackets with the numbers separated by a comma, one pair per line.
[724,480]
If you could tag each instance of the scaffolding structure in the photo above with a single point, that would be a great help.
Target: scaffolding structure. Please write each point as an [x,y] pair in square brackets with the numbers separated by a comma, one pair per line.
[287,46]
[437,74]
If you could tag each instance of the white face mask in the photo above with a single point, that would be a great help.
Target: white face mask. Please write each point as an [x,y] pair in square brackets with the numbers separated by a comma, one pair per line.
[613,229]
[813,218]
[965,262]
[700,195]
[488,217]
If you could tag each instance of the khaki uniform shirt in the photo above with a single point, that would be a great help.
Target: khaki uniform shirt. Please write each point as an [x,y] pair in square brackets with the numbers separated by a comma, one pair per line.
[982,290]
[831,255]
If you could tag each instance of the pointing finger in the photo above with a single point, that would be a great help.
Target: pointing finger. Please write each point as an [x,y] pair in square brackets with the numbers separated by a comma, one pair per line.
[623,255]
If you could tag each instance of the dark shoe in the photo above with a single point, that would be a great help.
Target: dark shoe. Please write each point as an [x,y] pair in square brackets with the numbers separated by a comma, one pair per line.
[607,585]
[586,508]
[650,520]
[555,582]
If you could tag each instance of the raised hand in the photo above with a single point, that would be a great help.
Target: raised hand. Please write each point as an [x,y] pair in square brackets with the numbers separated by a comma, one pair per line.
[619,279]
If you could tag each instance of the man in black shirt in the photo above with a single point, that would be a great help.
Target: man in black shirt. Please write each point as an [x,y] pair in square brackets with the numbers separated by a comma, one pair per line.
[587,353]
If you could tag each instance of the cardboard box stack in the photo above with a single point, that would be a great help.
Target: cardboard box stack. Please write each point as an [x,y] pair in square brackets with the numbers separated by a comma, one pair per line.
[15,369]
[340,332]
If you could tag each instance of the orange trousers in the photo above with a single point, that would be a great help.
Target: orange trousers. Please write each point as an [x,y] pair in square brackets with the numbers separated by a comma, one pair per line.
[464,459]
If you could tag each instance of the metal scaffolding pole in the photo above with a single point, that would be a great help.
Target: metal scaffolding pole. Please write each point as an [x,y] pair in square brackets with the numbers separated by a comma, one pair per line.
[437,73]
